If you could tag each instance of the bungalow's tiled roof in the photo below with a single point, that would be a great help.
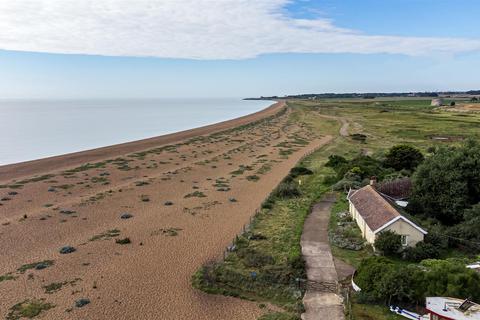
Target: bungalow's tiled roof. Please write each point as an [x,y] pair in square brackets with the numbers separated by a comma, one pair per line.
[374,209]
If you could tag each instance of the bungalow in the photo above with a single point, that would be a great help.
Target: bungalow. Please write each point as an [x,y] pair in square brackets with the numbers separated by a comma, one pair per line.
[374,214]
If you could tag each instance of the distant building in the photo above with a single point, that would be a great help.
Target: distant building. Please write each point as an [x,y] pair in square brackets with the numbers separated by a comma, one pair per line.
[438,102]
[374,214]
[443,308]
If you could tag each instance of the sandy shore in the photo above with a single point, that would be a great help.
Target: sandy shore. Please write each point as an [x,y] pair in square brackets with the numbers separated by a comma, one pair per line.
[29,168]
[179,190]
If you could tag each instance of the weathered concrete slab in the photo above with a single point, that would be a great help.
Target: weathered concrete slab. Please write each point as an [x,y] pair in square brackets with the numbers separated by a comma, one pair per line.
[323,306]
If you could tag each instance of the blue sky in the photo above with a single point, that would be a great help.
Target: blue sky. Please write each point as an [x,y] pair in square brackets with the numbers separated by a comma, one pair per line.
[249,48]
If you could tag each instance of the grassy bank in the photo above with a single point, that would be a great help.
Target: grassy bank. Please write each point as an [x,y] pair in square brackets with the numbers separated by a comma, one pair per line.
[266,261]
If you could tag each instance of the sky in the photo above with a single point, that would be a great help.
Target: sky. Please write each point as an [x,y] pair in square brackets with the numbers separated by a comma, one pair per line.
[70,49]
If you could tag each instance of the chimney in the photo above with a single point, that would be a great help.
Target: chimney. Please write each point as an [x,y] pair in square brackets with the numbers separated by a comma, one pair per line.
[373,181]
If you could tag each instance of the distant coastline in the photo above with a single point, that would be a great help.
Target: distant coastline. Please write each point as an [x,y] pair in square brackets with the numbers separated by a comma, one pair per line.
[44,165]
[33,129]
[373,95]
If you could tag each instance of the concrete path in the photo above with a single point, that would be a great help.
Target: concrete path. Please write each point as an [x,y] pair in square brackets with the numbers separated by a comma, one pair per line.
[321,300]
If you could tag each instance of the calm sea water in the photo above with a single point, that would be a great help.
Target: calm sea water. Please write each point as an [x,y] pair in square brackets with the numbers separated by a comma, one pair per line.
[36,129]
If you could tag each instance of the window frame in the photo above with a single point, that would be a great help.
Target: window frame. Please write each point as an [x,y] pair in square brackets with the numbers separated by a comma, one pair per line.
[404,240]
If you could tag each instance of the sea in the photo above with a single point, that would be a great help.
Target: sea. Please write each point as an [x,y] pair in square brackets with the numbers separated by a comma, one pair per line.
[34,129]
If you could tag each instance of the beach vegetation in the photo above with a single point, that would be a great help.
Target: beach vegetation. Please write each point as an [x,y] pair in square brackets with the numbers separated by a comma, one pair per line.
[35,265]
[197,194]
[57,286]
[7,277]
[171,232]
[106,235]
[123,241]
[265,263]
[29,308]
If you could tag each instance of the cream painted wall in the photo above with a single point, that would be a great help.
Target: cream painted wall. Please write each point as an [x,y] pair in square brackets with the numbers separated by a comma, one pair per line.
[404,228]
[366,232]
[400,227]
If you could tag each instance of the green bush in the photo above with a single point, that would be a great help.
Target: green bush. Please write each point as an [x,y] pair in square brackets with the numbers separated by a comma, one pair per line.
[469,230]
[268,203]
[279,316]
[123,241]
[447,184]
[254,258]
[449,278]
[347,183]
[421,252]
[335,161]
[298,266]
[300,171]
[436,237]
[287,190]
[388,242]
[381,280]
[403,157]
[358,137]
[366,166]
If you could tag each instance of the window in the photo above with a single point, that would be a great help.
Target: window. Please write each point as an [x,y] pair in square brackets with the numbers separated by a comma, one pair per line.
[404,240]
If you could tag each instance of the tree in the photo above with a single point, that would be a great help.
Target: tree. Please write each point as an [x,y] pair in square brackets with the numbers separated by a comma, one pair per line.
[382,280]
[450,278]
[403,156]
[367,165]
[468,230]
[452,104]
[399,284]
[334,161]
[370,272]
[388,242]
[447,184]
[421,251]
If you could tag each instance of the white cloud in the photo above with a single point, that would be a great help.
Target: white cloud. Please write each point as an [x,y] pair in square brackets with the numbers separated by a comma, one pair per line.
[192,29]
